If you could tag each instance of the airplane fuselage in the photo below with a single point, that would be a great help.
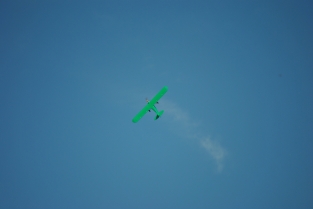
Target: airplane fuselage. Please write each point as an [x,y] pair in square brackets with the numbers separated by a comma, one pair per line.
[154,108]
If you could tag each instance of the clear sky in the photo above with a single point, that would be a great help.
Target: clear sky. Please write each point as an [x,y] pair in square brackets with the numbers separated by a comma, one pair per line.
[237,131]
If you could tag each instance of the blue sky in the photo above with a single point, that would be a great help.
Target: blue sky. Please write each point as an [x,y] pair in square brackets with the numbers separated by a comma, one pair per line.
[238,123]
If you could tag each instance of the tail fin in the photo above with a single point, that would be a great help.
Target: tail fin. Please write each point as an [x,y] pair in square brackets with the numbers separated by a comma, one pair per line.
[159,114]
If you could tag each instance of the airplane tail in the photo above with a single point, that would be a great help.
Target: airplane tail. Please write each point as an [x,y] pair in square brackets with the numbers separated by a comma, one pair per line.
[159,114]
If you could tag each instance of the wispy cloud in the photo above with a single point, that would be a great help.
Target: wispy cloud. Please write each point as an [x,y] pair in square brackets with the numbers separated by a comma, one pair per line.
[181,117]
[216,151]
[183,125]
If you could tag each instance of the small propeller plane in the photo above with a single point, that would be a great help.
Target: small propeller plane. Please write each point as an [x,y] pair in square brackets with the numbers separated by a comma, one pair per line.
[151,106]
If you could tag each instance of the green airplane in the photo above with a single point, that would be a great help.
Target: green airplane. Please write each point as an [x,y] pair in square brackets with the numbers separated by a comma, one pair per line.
[151,106]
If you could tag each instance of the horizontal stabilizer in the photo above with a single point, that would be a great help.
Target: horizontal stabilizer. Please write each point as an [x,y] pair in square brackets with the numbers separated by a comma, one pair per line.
[159,114]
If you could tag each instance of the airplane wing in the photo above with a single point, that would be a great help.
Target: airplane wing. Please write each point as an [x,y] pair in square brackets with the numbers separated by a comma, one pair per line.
[150,104]
[159,95]
[142,112]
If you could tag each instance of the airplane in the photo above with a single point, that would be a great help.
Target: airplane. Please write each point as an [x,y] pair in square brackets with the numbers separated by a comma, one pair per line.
[151,106]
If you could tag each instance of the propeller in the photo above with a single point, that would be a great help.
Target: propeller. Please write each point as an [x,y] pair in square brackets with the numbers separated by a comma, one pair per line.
[147,100]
